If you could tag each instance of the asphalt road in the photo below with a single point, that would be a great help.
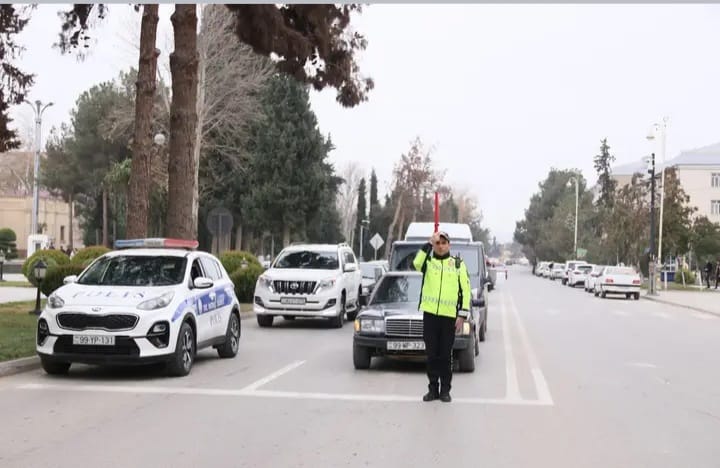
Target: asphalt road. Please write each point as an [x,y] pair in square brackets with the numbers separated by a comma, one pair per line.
[564,380]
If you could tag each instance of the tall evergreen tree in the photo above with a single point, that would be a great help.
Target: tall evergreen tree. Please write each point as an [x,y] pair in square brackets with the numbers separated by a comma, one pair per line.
[607,184]
[374,202]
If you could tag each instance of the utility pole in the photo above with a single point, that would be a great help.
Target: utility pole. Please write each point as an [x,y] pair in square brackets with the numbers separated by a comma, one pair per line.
[651,254]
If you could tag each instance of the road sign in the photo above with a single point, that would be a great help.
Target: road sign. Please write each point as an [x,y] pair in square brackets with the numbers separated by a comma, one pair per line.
[376,241]
[581,253]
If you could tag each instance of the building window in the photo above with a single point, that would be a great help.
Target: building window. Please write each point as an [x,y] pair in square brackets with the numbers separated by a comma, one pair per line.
[715,179]
[62,233]
[715,207]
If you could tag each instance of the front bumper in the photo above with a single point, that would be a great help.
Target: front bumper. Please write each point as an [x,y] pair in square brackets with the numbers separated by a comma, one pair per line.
[315,306]
[380,347]
[126,351]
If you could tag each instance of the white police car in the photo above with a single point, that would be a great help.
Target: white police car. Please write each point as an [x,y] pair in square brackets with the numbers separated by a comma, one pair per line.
[150,300]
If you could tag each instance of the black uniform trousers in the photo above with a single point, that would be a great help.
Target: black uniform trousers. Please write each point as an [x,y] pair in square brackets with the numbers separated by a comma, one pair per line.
[439,336]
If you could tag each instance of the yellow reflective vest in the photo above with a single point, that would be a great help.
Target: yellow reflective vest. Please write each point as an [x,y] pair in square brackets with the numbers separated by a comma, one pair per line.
[442,284]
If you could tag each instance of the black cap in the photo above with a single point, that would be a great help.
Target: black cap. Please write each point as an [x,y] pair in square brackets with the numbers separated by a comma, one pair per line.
[444,234]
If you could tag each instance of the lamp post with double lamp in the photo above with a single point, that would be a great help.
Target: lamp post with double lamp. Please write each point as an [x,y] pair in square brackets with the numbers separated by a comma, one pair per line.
[2,262]
[574,179]
[39,270]
[38,109]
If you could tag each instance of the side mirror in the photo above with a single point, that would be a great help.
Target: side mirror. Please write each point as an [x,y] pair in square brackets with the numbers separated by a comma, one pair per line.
[70,279]
[202,282]
[350,267]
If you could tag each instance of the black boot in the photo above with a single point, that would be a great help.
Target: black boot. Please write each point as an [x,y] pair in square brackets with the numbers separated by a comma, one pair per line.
[432,393]
[445,397]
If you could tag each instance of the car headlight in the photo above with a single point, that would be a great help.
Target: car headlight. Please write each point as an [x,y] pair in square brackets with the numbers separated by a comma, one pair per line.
[266,282]
[327,283]
[372,325]
[157,302]
[55,301]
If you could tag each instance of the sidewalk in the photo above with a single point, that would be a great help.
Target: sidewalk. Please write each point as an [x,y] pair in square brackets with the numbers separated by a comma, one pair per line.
[699,300]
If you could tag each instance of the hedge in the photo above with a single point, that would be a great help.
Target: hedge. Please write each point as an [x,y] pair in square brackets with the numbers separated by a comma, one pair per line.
[7,243]
[51,257]
[56,274]
[86,255]
[232,260]
[244,280]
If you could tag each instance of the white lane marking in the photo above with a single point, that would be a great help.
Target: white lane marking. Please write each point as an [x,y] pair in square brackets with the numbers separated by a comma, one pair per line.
[543,391]
[265,380]
[512,387]
[662,315]
[271,394]
[619,313]
[701,316]
[644,365]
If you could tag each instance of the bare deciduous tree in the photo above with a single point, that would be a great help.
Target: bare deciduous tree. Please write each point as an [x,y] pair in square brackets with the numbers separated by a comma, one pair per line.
[346,201]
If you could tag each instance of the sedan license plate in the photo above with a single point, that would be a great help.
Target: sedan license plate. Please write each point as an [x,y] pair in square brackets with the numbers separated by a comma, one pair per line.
[406,346]
[292,300]
[94,340]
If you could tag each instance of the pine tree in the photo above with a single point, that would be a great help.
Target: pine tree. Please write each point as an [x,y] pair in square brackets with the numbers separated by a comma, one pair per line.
[360,218]
[607,184]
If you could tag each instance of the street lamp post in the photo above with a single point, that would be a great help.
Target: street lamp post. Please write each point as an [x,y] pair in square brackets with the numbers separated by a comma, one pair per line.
[662,128]
[652,290]
[363,223]
[577,199]
[39,270]
[38,109]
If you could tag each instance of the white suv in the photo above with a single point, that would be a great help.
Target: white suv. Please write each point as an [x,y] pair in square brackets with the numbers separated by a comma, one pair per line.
[310,280]
[152,300]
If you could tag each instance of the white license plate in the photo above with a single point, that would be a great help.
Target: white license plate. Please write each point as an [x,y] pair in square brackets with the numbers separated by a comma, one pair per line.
[406,346]
[292,300]
[94,340]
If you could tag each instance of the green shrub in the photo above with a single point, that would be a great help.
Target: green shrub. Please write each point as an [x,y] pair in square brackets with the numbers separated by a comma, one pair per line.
[51,258]
[56,274]
[244,280]
[7,243]
[85,256]
[232,260]
[689,277]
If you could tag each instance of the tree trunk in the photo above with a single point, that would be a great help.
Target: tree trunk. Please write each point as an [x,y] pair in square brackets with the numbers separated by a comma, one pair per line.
[182,208]
[391,229]
[104,218]
[140,176]
[238,237]
[286,235]
[71,200]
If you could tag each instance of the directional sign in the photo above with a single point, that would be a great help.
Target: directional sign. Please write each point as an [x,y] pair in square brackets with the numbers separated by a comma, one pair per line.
[376,241]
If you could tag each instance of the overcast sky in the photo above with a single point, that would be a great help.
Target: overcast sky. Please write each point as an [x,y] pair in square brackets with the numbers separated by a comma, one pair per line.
[504,93]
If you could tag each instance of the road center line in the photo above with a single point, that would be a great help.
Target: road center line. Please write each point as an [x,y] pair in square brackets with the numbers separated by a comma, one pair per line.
[512,388]
[265,380]
[543,391]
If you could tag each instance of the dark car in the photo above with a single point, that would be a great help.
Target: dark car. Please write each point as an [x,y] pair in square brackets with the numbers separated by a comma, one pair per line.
[391,324]
[371,273]
[472,253]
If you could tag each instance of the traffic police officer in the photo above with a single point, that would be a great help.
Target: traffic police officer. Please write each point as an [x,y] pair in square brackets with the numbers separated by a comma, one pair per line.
[445,302]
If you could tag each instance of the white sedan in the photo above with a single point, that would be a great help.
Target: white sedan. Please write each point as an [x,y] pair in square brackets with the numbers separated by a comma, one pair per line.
[619,280]
[592,277]
[578,274]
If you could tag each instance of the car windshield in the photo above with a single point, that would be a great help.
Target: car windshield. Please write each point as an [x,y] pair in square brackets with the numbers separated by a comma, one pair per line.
[397,289]
[368,270]
[620,271]
[403,255]
[135,270]
[308,259]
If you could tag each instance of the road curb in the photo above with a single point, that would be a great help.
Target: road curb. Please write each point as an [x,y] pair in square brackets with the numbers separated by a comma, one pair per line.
[683,306]
[17,366]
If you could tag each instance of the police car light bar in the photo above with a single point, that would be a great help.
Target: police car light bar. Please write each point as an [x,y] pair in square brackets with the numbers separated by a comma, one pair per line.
[156,243]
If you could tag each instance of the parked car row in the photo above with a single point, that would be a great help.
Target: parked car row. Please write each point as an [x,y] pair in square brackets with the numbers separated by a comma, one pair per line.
[600,280]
